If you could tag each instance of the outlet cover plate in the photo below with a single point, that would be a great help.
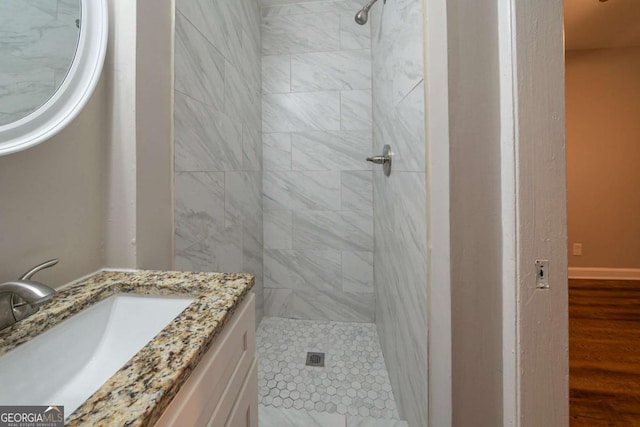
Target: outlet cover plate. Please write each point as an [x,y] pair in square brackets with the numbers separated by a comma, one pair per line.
[577,249]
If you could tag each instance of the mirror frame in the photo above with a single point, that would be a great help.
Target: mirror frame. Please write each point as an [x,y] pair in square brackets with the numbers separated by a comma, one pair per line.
[74,92]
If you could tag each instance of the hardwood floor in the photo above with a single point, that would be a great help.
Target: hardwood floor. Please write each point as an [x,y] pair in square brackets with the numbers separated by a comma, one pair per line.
[604,353]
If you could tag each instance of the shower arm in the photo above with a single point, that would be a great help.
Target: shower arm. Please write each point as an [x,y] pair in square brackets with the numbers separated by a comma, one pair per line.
[371,3]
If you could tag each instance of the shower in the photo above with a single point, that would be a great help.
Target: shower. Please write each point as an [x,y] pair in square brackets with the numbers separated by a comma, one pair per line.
[271,179]
[363,14]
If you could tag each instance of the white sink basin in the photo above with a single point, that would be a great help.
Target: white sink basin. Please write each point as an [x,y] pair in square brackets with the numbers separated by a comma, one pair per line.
[68,363]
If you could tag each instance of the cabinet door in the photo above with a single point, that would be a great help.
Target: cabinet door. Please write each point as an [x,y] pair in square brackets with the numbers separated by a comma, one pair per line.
[245,411]
[214,385]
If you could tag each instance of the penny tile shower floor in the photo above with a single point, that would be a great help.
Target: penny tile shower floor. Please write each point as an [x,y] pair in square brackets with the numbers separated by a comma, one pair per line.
[354,380]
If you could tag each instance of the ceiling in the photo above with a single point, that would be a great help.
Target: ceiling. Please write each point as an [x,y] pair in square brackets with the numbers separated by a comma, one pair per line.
[592,24]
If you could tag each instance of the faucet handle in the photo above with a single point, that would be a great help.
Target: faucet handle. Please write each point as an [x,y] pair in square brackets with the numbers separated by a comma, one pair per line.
[29,274]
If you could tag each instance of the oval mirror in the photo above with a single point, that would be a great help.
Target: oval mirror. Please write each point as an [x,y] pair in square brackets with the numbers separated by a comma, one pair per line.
[51,57]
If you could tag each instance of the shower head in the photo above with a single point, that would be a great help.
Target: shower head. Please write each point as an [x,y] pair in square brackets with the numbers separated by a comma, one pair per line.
[363,14]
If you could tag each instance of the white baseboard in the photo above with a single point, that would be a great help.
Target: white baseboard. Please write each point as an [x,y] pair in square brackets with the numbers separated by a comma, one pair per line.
[604,273]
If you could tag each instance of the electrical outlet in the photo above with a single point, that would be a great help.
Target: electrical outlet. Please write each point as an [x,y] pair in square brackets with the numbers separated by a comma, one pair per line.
[577,249]
[542,274]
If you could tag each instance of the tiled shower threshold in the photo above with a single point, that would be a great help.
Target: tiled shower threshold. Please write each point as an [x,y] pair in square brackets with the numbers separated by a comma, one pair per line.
[278,417]
[352,389]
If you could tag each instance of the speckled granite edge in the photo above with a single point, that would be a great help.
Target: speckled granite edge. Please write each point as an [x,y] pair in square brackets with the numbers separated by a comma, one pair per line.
[141,390]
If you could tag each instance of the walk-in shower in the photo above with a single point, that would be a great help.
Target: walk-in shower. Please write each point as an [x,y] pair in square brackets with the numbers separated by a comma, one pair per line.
[363,14]
[275,112]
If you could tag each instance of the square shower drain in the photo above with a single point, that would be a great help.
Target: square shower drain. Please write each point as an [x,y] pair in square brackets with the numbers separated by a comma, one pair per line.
[315,359]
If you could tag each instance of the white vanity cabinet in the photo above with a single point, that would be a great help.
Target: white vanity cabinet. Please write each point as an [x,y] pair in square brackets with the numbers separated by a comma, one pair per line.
[223,389]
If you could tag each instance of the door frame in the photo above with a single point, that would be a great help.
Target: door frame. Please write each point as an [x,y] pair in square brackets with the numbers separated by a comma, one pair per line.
[535,322]
[535,369]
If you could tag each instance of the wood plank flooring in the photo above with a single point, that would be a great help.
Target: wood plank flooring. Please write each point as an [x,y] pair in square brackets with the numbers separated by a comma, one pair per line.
[604,353]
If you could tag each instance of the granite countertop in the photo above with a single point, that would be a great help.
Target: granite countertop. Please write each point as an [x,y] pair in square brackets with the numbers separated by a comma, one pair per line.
[141,390]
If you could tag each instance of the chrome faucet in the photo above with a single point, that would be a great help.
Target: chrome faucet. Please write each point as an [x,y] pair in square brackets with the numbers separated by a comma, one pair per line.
[21,298]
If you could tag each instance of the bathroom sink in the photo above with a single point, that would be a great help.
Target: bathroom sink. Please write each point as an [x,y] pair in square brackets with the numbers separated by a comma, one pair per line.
[68,363]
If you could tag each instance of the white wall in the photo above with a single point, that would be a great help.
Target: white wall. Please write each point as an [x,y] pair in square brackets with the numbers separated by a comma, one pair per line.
[603,149]
[52,200]
[438,211]
[139,69]
[154,134]
[476,223]
[120,71]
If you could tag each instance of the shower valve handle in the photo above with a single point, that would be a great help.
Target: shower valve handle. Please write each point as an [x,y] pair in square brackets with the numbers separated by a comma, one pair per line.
[384,160]
[378,160]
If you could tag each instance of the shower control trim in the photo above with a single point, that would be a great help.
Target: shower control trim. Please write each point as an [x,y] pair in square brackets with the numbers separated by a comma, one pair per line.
[384,159]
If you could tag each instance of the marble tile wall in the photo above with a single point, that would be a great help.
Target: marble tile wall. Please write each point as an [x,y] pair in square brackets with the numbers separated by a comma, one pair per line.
[38,40]
[317,132]
[400,208]
[218,145]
